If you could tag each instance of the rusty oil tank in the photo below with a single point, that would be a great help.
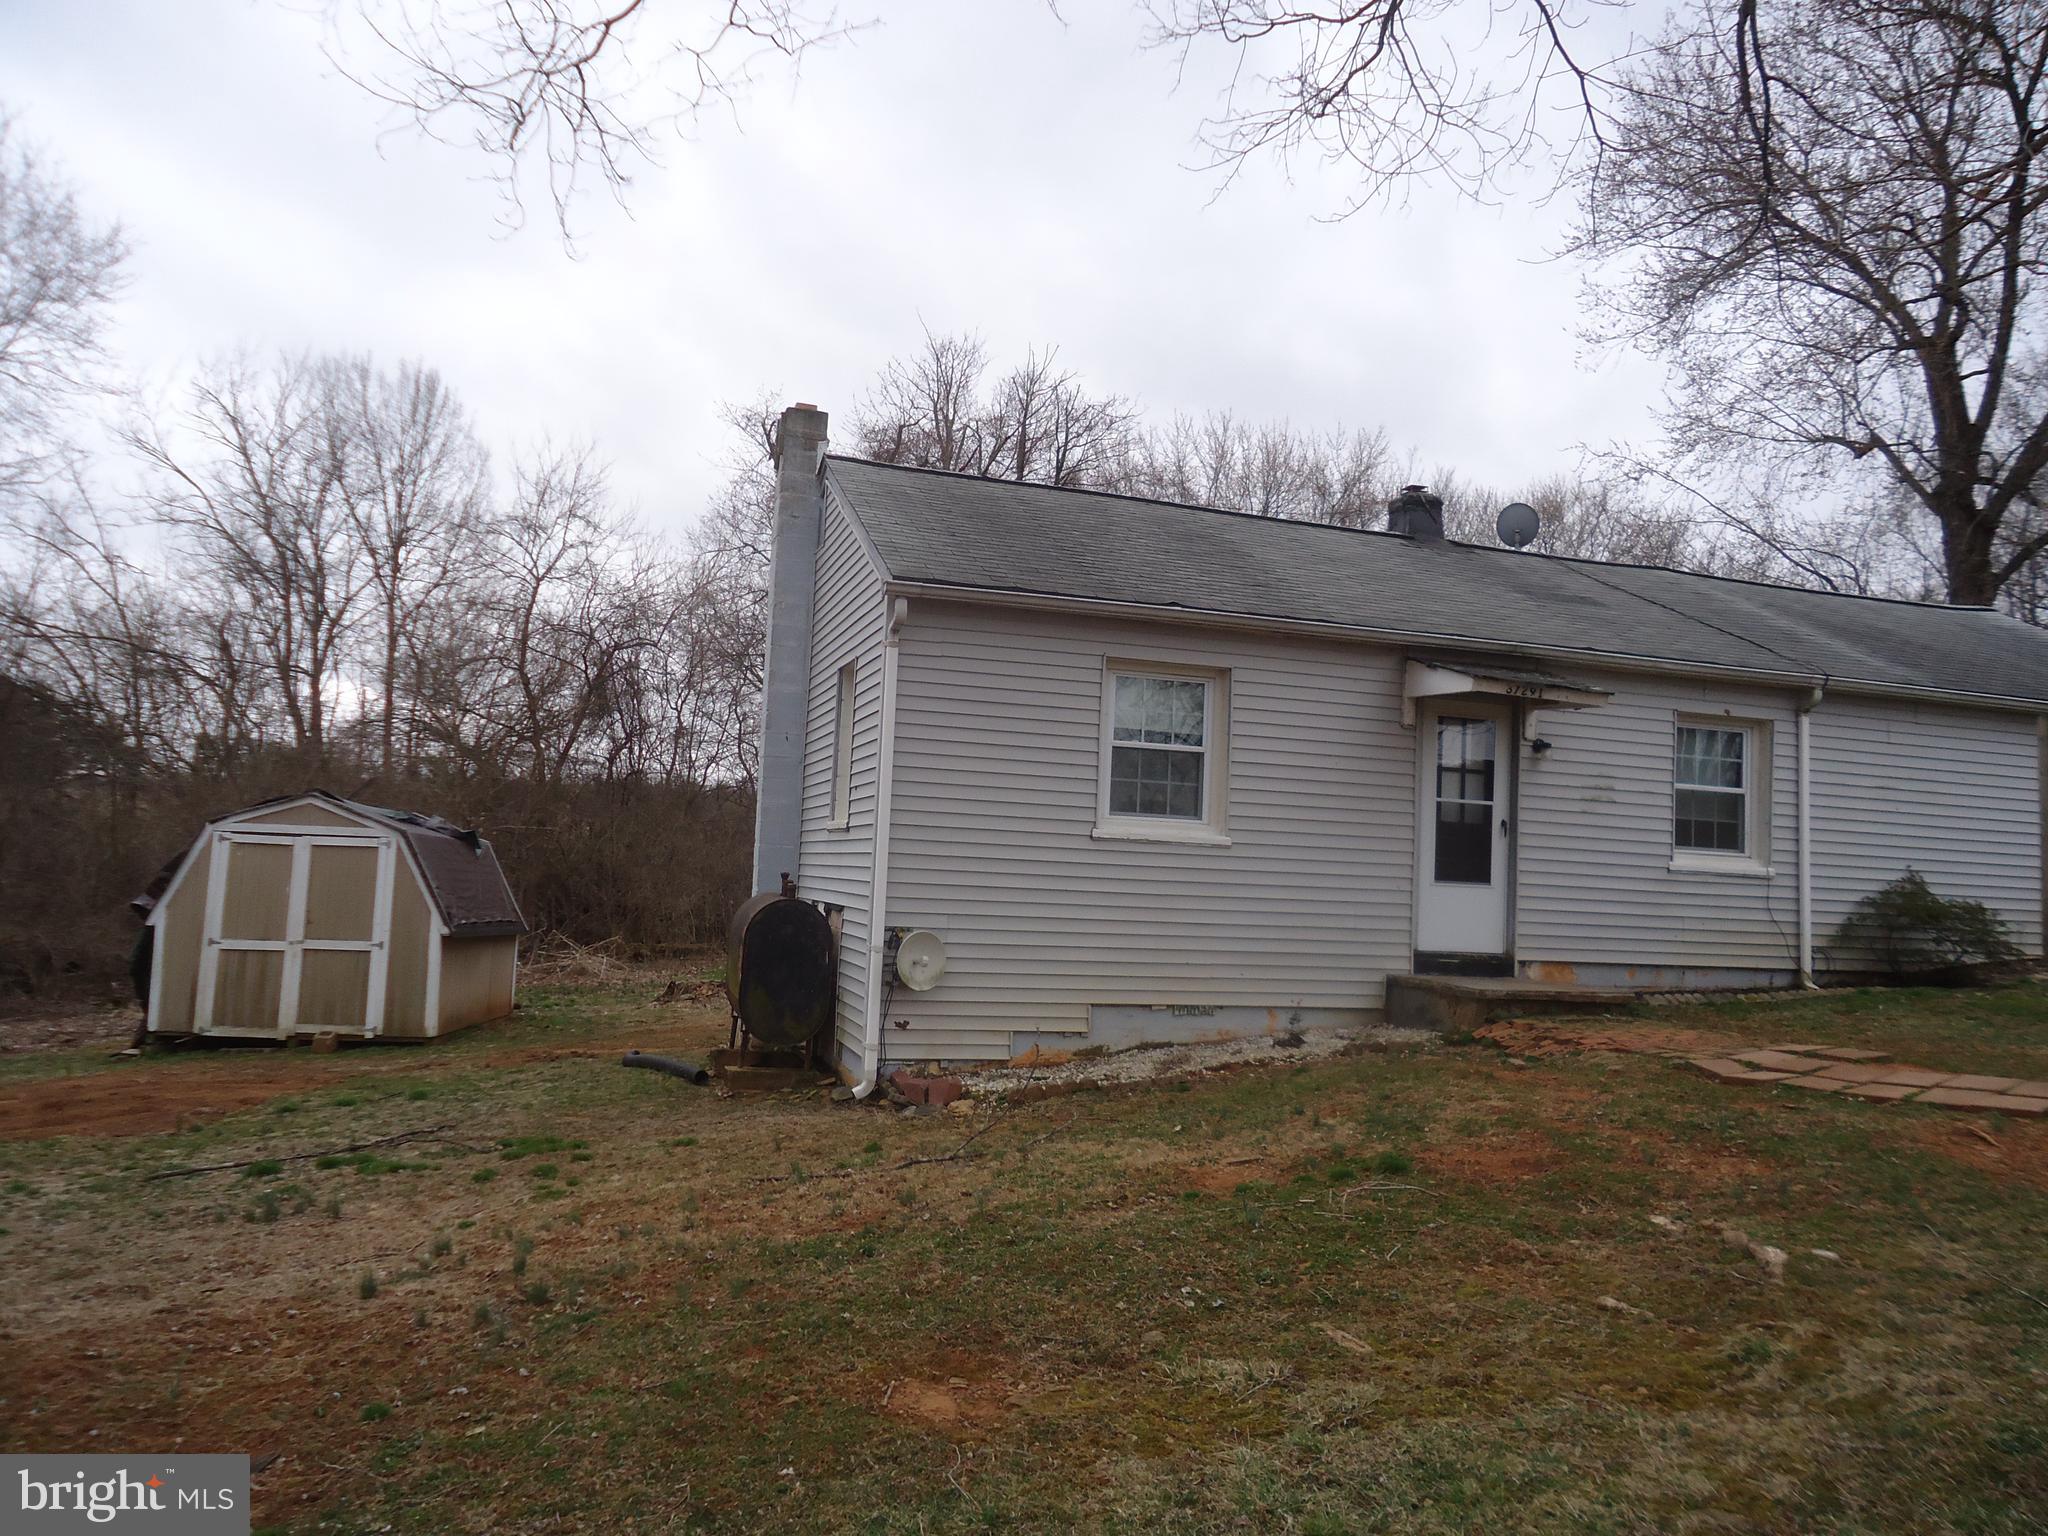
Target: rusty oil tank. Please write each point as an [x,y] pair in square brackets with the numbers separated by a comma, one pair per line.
[781,969]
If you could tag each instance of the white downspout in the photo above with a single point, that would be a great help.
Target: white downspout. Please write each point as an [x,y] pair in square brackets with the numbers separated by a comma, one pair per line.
[1806,834]
[878,879]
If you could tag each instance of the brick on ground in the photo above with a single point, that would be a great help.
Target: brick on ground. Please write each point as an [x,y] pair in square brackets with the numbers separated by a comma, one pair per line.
[1879,1093]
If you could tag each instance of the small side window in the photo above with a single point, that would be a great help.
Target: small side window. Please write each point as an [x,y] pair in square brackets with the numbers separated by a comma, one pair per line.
[842,747]
[1163,736]
[1711,777]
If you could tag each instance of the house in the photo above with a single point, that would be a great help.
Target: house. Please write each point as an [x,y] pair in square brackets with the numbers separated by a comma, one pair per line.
[313,915]
[1151,771]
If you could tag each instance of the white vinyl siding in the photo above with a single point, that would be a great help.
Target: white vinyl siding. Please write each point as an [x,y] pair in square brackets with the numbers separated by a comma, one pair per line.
[994,811]
[1597,880]
[842,744]
[837,852]
[1953,793]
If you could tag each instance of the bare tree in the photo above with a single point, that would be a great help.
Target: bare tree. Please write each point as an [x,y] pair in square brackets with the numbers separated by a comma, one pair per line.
[1273,469]
[575,85]
[931,409]
[1444,90]
[253,485]
[416,476]
[59,273]
[1849,295]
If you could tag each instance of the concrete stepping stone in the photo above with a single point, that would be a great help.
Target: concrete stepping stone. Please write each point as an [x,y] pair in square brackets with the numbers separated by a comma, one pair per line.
[1777,1061]
[1915,1077]
[1856,1072]
[1725,1071]
[1964,1098]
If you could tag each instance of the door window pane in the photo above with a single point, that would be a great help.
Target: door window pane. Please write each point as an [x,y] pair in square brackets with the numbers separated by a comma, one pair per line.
[1464,801]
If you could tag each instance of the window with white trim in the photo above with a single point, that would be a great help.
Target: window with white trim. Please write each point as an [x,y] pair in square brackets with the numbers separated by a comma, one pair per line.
[1712,801]
[1160,758]
[842,746]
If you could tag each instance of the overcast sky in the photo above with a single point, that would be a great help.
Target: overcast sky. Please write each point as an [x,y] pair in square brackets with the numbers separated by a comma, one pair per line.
[962,166]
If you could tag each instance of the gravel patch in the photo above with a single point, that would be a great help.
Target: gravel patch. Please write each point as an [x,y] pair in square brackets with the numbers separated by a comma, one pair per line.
[1143,1063]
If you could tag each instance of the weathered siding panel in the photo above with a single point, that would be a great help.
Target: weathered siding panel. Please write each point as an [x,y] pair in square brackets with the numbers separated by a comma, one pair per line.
[405,977]
[997,760]
[1952,793]
[301,816]
[838,863]
[476,980]
[1595,883]
[181,926]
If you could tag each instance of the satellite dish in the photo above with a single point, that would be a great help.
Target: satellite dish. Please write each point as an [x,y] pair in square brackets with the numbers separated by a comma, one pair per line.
[921,960]
[1517,524]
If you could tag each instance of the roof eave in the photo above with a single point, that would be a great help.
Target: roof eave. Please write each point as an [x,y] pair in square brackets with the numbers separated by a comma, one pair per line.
[1620,660]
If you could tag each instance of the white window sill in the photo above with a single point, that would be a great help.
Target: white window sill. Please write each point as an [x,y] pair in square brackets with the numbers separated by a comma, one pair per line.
[1200,835]
[1710,864]
[838,826]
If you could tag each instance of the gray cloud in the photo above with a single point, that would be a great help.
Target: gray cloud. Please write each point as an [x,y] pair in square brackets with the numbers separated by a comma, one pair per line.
[962,166]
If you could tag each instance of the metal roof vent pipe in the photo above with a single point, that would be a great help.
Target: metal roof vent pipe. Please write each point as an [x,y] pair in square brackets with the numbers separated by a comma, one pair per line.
[1417,513]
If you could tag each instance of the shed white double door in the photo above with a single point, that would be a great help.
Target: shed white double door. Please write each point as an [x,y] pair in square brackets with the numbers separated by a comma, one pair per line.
[298,934]
[1464,841]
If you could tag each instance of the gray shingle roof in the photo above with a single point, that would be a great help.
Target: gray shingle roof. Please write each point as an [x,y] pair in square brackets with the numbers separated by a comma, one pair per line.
[998,535]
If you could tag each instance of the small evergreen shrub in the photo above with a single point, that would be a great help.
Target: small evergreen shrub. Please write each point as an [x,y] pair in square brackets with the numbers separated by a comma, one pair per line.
[1913,931]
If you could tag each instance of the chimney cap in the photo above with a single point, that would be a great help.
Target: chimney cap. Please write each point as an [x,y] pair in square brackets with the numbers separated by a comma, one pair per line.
[1417,513]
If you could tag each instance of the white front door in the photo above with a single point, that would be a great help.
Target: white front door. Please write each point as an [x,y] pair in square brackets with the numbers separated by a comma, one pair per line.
[1466,802]
[297,934]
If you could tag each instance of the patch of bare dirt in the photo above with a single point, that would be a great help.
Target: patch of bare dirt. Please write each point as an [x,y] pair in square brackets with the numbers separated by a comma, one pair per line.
[961,1393]
[2018,1153]
[1223,1178]
[1506,1157]
[1561,1037]
[139,1103]
[1702,1164]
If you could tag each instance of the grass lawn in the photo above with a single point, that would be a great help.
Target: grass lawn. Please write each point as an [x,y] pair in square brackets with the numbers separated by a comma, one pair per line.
[1407,1290]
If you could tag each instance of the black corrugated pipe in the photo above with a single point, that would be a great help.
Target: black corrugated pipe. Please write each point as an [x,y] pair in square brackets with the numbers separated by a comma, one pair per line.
[688,1071]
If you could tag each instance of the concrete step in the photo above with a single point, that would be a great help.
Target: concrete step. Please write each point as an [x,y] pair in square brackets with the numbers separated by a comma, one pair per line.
[1456,1005]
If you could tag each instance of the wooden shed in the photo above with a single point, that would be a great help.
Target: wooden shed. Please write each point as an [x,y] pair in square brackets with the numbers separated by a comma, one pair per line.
[314,915]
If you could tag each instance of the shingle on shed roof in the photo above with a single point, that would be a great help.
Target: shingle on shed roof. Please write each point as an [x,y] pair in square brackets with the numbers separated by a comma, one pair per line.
[1006,536]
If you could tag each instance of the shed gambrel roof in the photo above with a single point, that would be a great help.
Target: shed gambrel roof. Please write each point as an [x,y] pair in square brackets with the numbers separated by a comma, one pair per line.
[458,867]
[931,528]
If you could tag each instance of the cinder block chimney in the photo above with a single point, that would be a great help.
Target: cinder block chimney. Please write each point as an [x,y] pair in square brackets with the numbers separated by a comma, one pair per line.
[786,677]
[1417,513]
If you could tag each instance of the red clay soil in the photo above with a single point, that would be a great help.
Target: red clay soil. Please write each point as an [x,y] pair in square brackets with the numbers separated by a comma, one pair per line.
[118,1103]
